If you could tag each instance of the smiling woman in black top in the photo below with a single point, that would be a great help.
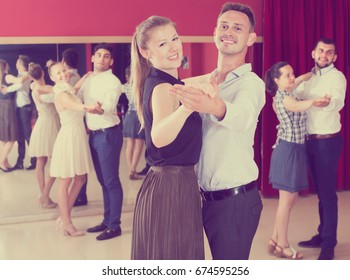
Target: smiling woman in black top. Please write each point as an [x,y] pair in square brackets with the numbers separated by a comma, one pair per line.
[167,219]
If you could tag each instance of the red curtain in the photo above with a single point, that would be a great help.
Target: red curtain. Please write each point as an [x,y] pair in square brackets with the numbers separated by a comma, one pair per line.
[291,28]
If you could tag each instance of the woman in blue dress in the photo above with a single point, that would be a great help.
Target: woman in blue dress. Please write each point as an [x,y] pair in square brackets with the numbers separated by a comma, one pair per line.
[132,132]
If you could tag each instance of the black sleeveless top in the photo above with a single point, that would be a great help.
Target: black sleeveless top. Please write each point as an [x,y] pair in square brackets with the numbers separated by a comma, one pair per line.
[185,149]
[10,95]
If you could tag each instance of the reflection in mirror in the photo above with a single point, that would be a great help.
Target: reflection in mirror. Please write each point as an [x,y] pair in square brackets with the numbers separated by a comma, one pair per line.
[41,53]
[18,189]
[19,193]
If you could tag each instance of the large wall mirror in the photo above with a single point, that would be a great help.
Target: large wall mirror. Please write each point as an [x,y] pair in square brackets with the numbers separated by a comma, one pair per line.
[19,189]
[41,53]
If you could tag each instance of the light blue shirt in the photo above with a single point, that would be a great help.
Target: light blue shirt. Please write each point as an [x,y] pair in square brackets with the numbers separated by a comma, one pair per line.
[227,156]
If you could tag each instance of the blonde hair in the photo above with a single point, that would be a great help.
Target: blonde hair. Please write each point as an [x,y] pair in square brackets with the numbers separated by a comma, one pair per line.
[140,66]
[50,63]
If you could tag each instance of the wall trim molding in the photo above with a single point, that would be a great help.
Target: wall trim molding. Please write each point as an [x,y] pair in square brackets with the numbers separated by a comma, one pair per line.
[93,39]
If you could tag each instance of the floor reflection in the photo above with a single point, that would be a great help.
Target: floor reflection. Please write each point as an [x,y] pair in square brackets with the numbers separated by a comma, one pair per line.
[19,194]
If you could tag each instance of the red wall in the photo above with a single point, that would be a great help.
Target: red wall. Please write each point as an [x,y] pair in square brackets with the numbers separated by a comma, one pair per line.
[110,17]
[202,58]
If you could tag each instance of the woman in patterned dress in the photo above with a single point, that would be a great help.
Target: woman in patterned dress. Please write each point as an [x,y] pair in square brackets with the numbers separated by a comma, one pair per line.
[134,136]
[288,169]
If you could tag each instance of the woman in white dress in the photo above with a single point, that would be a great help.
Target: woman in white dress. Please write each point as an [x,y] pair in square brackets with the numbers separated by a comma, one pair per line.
[44,134]
[71,158]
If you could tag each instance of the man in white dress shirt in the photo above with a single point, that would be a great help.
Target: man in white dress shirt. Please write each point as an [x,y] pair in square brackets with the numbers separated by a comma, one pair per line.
[324,142]
[70,58]
[226,168]
[106,138]
[23,111]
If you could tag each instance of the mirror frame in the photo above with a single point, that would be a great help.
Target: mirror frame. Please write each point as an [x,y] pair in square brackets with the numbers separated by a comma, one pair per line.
[93,39]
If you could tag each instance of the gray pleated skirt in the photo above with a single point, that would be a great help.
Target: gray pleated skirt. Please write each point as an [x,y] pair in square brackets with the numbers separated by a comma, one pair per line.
[8,121]
[288,169]
[168,217]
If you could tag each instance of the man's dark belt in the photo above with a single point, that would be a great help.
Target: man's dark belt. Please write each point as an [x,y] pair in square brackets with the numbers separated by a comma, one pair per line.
[321,136]
[102,130]
[222,194]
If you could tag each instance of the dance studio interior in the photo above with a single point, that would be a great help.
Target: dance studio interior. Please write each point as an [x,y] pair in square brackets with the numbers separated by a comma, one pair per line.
[286,30]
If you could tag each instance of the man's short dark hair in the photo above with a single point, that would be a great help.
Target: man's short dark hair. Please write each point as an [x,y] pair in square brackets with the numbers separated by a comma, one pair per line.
[327,41]
[35,71]
[24,60]
[70,57]
[106,46]
[229,6]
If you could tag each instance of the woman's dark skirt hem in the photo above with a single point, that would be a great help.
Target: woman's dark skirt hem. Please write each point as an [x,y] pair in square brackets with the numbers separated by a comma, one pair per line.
[168,217]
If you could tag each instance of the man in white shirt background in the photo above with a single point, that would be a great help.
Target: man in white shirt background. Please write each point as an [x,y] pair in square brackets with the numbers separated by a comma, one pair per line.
[106,140]
[324,142]
[24,112]
[70,58]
